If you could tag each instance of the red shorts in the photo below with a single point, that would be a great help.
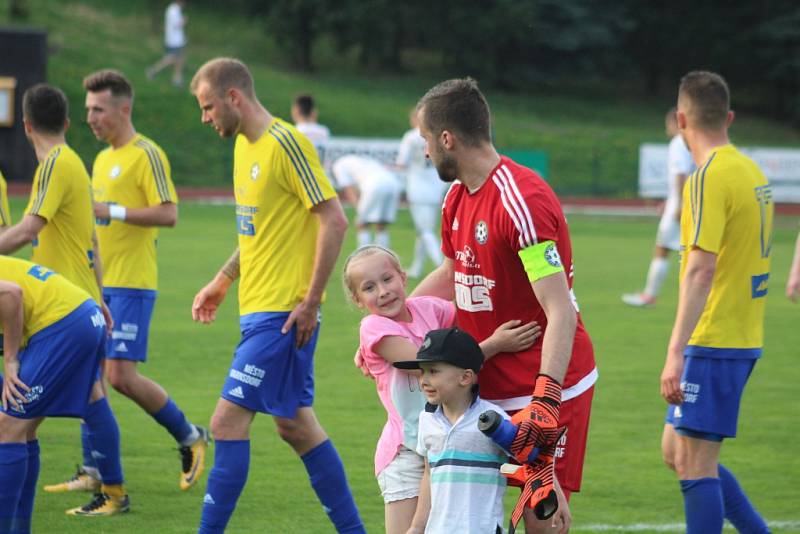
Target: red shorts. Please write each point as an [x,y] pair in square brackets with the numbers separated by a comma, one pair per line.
[571,448]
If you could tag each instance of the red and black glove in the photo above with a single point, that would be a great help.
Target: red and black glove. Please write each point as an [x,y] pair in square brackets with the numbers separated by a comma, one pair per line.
[538,422]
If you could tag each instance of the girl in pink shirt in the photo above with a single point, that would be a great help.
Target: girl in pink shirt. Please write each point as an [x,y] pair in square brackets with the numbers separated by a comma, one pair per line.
[393,331]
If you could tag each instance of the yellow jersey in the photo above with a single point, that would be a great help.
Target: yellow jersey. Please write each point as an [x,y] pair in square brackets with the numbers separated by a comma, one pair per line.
[277,181]
[47,297]
[61,194]
[136,175]
[5,213]
[728,211]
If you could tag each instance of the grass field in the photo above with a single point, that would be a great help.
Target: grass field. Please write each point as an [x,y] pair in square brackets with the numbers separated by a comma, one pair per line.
[624,480]
[591,135]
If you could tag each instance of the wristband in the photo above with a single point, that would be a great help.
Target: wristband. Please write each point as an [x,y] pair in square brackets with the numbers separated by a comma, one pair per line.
[117,212]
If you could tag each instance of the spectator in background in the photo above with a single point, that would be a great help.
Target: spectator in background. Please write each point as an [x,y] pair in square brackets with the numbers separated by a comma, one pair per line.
[174,43]
[424,193]
[366,183]
[304,115]
[679,167]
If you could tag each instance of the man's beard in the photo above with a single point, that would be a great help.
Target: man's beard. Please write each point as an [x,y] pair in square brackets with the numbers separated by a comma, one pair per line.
[447,168]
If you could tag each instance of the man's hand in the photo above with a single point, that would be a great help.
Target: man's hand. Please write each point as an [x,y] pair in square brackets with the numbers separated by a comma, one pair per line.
[671,379]
[208,299]
[304,315]
[107,317]
[12,384]
[538,421]
[101,211]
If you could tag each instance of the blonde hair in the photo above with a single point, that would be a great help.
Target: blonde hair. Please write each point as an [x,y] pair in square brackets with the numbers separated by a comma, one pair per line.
[364,252]
[223,73]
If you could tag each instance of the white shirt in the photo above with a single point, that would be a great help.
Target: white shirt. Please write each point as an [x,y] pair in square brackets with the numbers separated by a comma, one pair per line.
[174,22]
[423,185]
[466,485]
[679,161]
[316,133]
[366,173]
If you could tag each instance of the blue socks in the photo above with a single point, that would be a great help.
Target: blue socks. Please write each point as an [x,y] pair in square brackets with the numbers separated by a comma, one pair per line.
[171,417]
[326,473]
[104,441]
[13,470]
[702,503]
[225,483]
[738,508]
[88,461]
[22,523]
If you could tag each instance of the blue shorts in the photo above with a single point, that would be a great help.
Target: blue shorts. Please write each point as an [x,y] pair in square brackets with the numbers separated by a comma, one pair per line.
[131,310]
[269,374]
[60,364]
[712,390]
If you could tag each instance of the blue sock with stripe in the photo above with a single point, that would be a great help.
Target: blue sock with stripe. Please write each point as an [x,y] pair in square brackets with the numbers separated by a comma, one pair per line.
[104,441]
[225,483]
[13,470]
[171,417]
[738,508]
[326,473]
[86,447]
[702,503]
[22,522]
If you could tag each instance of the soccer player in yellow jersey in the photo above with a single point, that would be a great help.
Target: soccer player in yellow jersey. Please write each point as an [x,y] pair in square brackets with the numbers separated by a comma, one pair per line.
[5,213]
[291,228]
[59,223]
[134,195]
[726,240]
[53,339]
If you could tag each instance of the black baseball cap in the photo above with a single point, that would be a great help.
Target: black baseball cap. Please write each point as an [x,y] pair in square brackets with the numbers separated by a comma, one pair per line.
[448,345]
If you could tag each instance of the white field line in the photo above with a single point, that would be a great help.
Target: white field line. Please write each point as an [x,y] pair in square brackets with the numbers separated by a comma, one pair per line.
[786,526]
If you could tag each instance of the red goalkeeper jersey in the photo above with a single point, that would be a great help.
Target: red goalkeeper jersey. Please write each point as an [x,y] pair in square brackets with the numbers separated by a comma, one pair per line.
[482,233]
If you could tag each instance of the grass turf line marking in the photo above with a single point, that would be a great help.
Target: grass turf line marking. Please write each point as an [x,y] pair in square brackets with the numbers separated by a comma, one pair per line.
[790,525]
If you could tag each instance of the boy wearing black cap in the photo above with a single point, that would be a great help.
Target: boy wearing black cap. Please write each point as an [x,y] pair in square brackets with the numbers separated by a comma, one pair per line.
[462,489]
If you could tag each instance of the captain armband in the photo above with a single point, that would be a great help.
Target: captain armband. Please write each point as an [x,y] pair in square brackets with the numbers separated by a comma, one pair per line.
[540,260]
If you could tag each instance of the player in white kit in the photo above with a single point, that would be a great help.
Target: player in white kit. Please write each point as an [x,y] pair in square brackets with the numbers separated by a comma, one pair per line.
[679,167]
[424,191]
[304,115]
[368,184]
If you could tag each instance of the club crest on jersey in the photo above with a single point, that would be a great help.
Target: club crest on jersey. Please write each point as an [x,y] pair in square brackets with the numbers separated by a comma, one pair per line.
[255,170]
[116,170]
[552,256]
[481,233]
[455,224]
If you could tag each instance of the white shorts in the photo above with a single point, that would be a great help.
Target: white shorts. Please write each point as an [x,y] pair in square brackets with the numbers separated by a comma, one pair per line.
[425,216]
[378,204]
[401,478]
[669,233]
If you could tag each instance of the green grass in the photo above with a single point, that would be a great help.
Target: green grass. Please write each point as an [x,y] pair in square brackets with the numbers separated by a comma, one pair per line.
[624,479]
[592,134]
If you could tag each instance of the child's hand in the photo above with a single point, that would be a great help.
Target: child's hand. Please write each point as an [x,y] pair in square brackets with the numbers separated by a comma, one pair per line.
[512,336]
[358,361]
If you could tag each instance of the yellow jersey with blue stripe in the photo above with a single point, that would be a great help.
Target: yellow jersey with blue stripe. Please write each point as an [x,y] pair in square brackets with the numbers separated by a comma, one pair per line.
[728,211]
[62,195]
[136,175]
[277,180]
[5,213]
[47,297]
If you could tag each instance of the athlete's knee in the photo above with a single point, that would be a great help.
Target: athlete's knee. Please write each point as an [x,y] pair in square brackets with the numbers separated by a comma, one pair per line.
[292,431]
[120,381]
[668,456]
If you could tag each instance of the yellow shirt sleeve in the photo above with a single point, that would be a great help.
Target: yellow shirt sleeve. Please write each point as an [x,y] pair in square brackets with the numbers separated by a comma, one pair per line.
[157,181]
[5,213]
[709,200]
[303,170]
[47,191]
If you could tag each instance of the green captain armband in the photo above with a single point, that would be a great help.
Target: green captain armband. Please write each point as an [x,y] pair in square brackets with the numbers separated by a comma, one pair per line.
[541,260]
